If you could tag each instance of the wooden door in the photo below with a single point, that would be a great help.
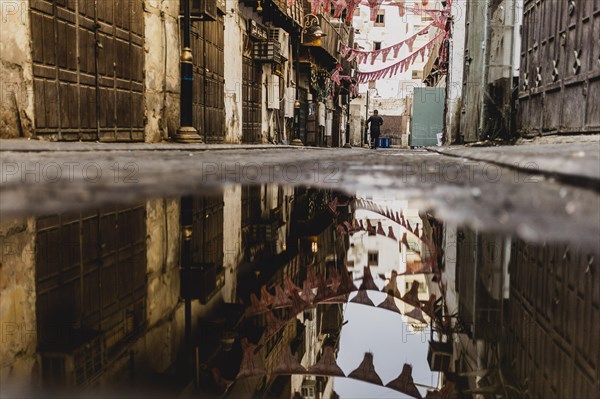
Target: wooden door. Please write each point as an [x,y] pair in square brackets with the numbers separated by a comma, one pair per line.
[209,79]
[88,68]
[251,101]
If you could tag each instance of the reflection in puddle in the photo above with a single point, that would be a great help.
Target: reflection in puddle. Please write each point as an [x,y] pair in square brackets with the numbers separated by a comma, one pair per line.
[281,292]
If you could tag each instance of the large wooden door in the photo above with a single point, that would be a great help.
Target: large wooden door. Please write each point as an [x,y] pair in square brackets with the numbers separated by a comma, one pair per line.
[559,82]
[88,64]
[251,101]
[209,79]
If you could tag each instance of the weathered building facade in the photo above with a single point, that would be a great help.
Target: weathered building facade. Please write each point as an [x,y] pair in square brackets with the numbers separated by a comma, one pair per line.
[529,69]
[109,71]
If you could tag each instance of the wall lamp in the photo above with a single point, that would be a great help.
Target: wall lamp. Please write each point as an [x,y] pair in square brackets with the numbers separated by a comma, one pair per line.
[311,31]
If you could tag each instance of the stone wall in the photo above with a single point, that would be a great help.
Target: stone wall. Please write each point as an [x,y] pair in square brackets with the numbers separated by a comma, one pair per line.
[18,361]
[16,73]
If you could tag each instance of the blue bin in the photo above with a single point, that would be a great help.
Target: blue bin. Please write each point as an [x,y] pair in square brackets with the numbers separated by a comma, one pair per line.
[383,142]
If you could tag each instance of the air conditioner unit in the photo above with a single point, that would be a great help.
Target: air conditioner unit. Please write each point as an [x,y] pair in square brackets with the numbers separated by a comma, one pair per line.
[283,37]
[273,94]
[77,363]
[201,10]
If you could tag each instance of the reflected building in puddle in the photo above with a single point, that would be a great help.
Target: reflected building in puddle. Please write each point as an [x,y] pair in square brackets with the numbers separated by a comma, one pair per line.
[521,316]
[387,246]
[241,292]
[99,299]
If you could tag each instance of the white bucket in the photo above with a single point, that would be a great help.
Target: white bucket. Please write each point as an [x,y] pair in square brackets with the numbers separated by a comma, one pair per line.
[440,137]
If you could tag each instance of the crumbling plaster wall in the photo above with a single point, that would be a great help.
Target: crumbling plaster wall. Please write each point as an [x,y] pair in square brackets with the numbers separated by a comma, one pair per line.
[18,362]
[162,83]
[16,71]
[234,26]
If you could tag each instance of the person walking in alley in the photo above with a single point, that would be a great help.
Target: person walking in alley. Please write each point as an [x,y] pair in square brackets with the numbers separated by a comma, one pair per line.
[375,122]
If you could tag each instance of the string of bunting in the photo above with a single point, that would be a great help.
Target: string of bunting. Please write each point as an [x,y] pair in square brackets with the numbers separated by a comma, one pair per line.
[362,56]
[400,66]
[350,5]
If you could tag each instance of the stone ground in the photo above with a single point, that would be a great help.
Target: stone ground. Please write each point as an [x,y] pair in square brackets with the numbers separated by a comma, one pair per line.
[541,192]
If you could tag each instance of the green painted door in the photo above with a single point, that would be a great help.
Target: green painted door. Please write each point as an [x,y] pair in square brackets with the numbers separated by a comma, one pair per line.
[427,116]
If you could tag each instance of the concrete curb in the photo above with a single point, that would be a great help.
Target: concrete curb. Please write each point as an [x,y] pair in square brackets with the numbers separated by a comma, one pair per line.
[577,164]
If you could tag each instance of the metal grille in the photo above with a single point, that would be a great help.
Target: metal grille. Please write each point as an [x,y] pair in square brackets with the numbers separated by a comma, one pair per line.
[559,88]
[88,63]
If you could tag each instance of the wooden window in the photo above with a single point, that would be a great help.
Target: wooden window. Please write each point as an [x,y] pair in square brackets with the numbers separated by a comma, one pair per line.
[376,45]
[373,258]
[380,18]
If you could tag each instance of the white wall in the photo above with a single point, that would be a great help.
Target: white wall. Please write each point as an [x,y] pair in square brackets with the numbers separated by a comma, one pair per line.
[394,31]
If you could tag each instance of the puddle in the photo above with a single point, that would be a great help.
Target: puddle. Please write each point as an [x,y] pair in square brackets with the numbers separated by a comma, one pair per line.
[274,291]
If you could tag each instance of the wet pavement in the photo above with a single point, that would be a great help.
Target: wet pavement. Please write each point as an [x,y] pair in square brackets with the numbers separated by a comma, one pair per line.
[286,273]
[519,199]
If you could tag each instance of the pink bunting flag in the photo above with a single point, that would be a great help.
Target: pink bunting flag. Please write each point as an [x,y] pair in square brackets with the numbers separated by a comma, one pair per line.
[401,8]
[397,48]
[351,7]
[340,5]
[440,22]
[374,5]
[316,4]
[409,42]
[385,53]
[374,55]
[344,50]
